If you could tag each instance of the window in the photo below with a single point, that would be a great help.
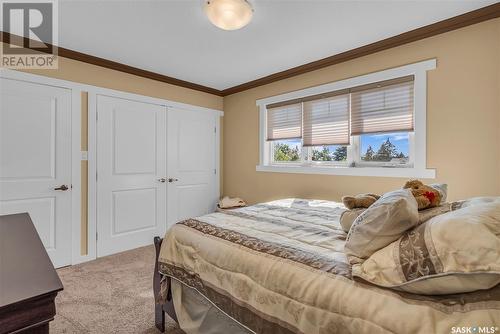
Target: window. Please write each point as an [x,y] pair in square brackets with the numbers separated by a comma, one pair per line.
[319,129]
[369,125]
[332,153]
[287,151]
[387,149]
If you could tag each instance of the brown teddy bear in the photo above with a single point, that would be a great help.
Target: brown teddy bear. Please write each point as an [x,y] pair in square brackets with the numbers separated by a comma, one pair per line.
[359,201]
[426,196]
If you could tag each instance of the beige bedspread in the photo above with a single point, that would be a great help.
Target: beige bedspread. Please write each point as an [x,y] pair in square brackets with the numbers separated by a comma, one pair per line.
[279,267]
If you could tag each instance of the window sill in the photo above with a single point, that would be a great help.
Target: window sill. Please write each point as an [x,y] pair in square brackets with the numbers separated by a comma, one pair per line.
[352,171]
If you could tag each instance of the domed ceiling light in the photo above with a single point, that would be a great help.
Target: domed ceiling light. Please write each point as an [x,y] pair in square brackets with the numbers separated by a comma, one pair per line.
[229,14]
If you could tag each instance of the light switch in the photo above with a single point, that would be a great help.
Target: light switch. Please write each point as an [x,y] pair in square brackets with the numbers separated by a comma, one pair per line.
[85,155]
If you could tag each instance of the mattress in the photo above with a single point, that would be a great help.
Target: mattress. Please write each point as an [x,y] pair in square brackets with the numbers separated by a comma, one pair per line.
[279,267]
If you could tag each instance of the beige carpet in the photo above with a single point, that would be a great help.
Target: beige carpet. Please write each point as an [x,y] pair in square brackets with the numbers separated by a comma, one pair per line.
[112,294]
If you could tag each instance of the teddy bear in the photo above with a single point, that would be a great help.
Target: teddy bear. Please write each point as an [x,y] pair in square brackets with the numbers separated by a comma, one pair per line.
[426,196]
[359,201]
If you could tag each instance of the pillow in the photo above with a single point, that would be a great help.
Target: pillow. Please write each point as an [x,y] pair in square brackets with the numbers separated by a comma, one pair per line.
[452,253]
[382,223]
[474,201]
[442,188]
[349,216]
[426,214]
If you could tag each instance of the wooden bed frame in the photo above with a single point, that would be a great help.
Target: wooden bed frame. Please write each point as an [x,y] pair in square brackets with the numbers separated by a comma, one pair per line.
[168,307]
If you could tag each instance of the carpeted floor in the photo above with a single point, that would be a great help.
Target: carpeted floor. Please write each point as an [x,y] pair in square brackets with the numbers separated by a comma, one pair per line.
[112,294]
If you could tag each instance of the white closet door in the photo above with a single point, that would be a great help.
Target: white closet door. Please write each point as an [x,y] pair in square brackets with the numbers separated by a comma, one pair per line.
[131,166]
[35,160]
[191,164]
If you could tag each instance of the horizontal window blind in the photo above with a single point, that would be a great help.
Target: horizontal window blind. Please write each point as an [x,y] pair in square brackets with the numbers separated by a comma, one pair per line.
[326,121]
[382,107]
[284,122]
[331,118]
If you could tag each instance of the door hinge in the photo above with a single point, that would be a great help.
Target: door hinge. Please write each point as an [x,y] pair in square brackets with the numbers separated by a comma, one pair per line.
[96,116]
[96,177]
[215,129]
[97,236]
[215,171]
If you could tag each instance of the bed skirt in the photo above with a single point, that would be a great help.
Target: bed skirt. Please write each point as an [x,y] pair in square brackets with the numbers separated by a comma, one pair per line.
[197,315]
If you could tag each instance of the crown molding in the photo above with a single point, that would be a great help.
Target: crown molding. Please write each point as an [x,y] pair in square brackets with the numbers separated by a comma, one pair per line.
[457,22]
[93,60]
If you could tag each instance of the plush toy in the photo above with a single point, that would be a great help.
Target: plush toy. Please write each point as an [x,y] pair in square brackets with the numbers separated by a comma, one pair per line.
[426,196]
[228,203]
[359,201]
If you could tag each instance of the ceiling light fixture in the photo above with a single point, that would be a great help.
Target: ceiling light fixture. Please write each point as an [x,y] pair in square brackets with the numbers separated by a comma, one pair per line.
[229,14]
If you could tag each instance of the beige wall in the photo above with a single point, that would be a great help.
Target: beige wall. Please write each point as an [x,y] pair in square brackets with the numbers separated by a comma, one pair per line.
[463,121]
[76,71]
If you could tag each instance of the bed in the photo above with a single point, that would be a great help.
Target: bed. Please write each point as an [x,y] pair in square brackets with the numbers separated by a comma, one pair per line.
[279,267]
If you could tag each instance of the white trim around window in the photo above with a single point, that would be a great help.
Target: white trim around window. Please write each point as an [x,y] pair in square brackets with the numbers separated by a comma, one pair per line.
[418,155]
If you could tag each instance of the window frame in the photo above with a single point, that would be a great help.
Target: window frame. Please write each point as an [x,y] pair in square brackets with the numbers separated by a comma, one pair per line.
[353,156]
[306,157]
[417,166]
[329,163]
[356,142]
[282,163]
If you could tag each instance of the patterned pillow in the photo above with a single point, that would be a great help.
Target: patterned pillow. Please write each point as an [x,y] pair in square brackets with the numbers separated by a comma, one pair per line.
[452,253]
[382,223]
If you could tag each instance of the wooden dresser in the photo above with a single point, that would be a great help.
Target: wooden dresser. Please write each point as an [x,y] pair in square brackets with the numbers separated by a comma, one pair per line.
[28,281]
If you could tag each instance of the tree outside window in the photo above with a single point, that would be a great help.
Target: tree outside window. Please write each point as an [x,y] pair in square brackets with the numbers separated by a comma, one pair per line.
[288,150]
[329,153]
[392,147]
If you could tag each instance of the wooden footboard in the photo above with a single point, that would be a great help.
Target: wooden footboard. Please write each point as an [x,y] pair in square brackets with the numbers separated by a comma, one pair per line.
[160,307]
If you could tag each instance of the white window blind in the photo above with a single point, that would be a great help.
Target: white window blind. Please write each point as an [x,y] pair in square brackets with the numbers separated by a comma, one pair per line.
[382,107]
[331,118]
[284,121]
[326,120]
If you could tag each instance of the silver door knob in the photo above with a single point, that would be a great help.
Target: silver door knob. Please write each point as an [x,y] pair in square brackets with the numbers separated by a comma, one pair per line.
[162,180]
[171,179]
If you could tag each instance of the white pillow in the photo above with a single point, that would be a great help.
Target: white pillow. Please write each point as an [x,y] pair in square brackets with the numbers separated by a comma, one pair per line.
[382,223]
[442,188]
[349,216]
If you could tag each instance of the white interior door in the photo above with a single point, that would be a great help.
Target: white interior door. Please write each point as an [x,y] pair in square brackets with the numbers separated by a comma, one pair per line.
[35,160]
[131,197]
[191,149]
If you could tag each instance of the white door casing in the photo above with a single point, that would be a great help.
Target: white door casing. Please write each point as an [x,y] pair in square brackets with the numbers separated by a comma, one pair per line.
[66,238]
[131,152]
[35,158]
[191,164]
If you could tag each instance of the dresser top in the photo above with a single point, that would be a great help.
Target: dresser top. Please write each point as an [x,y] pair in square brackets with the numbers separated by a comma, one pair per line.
[25,268]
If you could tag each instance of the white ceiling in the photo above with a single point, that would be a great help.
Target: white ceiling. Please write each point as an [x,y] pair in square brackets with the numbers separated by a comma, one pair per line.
[174,38]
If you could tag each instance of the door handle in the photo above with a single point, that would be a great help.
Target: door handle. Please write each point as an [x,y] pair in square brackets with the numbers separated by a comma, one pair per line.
[62,188]
[171,179]
[162,180]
